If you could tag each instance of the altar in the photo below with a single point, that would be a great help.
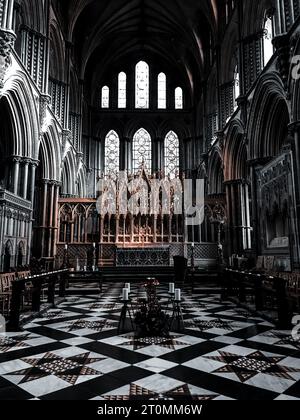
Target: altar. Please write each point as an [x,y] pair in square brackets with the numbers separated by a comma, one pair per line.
[143,256]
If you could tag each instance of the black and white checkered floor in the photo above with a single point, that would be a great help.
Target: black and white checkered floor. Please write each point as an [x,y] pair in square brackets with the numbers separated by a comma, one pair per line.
[75,352]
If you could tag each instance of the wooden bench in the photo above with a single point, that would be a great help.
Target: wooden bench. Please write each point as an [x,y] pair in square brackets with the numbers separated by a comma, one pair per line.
[6,280]
[263,288]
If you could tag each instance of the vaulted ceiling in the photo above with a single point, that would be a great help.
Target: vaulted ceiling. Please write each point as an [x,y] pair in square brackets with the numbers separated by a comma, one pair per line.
[105,32]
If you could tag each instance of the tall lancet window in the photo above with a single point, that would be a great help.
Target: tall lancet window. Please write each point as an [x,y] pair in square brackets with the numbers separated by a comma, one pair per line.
[142,150]
[142,85]
[237,89]
[267,40]
[171,154]
[105,97]
[178,98]
[162,91]
[112,153]
[122,90]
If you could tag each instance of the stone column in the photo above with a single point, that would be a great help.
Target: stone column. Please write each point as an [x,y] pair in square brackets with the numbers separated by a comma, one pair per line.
[157,155]
[26,163]
[128,144]
[16,171]
[33,167]
[238,216]
[50,225]
[6,15]
[44,214]
[123,155]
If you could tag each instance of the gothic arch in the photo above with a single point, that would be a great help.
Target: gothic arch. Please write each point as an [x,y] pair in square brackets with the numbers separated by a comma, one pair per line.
[7,134]
[269,118]
[110,125]
[57,52]
[25,115]
[81,183]
[68,175]
[136,124]
[50,155]
[256,13]
[34,14]
[229,57]
[215,172]
[173,125]
[235,153]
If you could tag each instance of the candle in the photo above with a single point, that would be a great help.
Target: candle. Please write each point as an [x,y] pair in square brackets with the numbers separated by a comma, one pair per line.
[94,245]
[94,268]
[171,288]
[84,268]
[127,286]
[193,245]
[178,294]
[66,247]
[125,295]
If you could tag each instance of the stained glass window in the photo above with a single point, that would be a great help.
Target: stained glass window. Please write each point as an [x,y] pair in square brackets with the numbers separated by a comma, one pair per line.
[142,86]
[178,98]
[142,150]
[122,90]
[267,40]
[105,97]
[162,91]
[171,154]
[112,153]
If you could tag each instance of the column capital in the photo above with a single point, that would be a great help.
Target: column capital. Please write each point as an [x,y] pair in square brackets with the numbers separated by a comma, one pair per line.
[16,159]
[54,183]
[35,163]
[7,40]
[26,161]
[293,127]
[45,181]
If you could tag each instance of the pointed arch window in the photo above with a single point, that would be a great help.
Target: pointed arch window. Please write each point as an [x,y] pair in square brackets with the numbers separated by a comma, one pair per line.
[268,49]
[122,86]
[112,153]
[162,91]
[105,97]
[178,98]
[237,89]
[142,85]
[142,150]
[171,154]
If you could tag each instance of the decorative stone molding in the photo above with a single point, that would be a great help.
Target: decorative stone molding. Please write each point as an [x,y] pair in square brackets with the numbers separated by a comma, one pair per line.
[66,138]
[80,157]
[7,40]
[44,102]
[282,46]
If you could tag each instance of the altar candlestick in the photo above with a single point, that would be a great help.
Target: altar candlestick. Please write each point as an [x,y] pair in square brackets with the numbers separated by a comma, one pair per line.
[125,294]
[178,295]
[171,288]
